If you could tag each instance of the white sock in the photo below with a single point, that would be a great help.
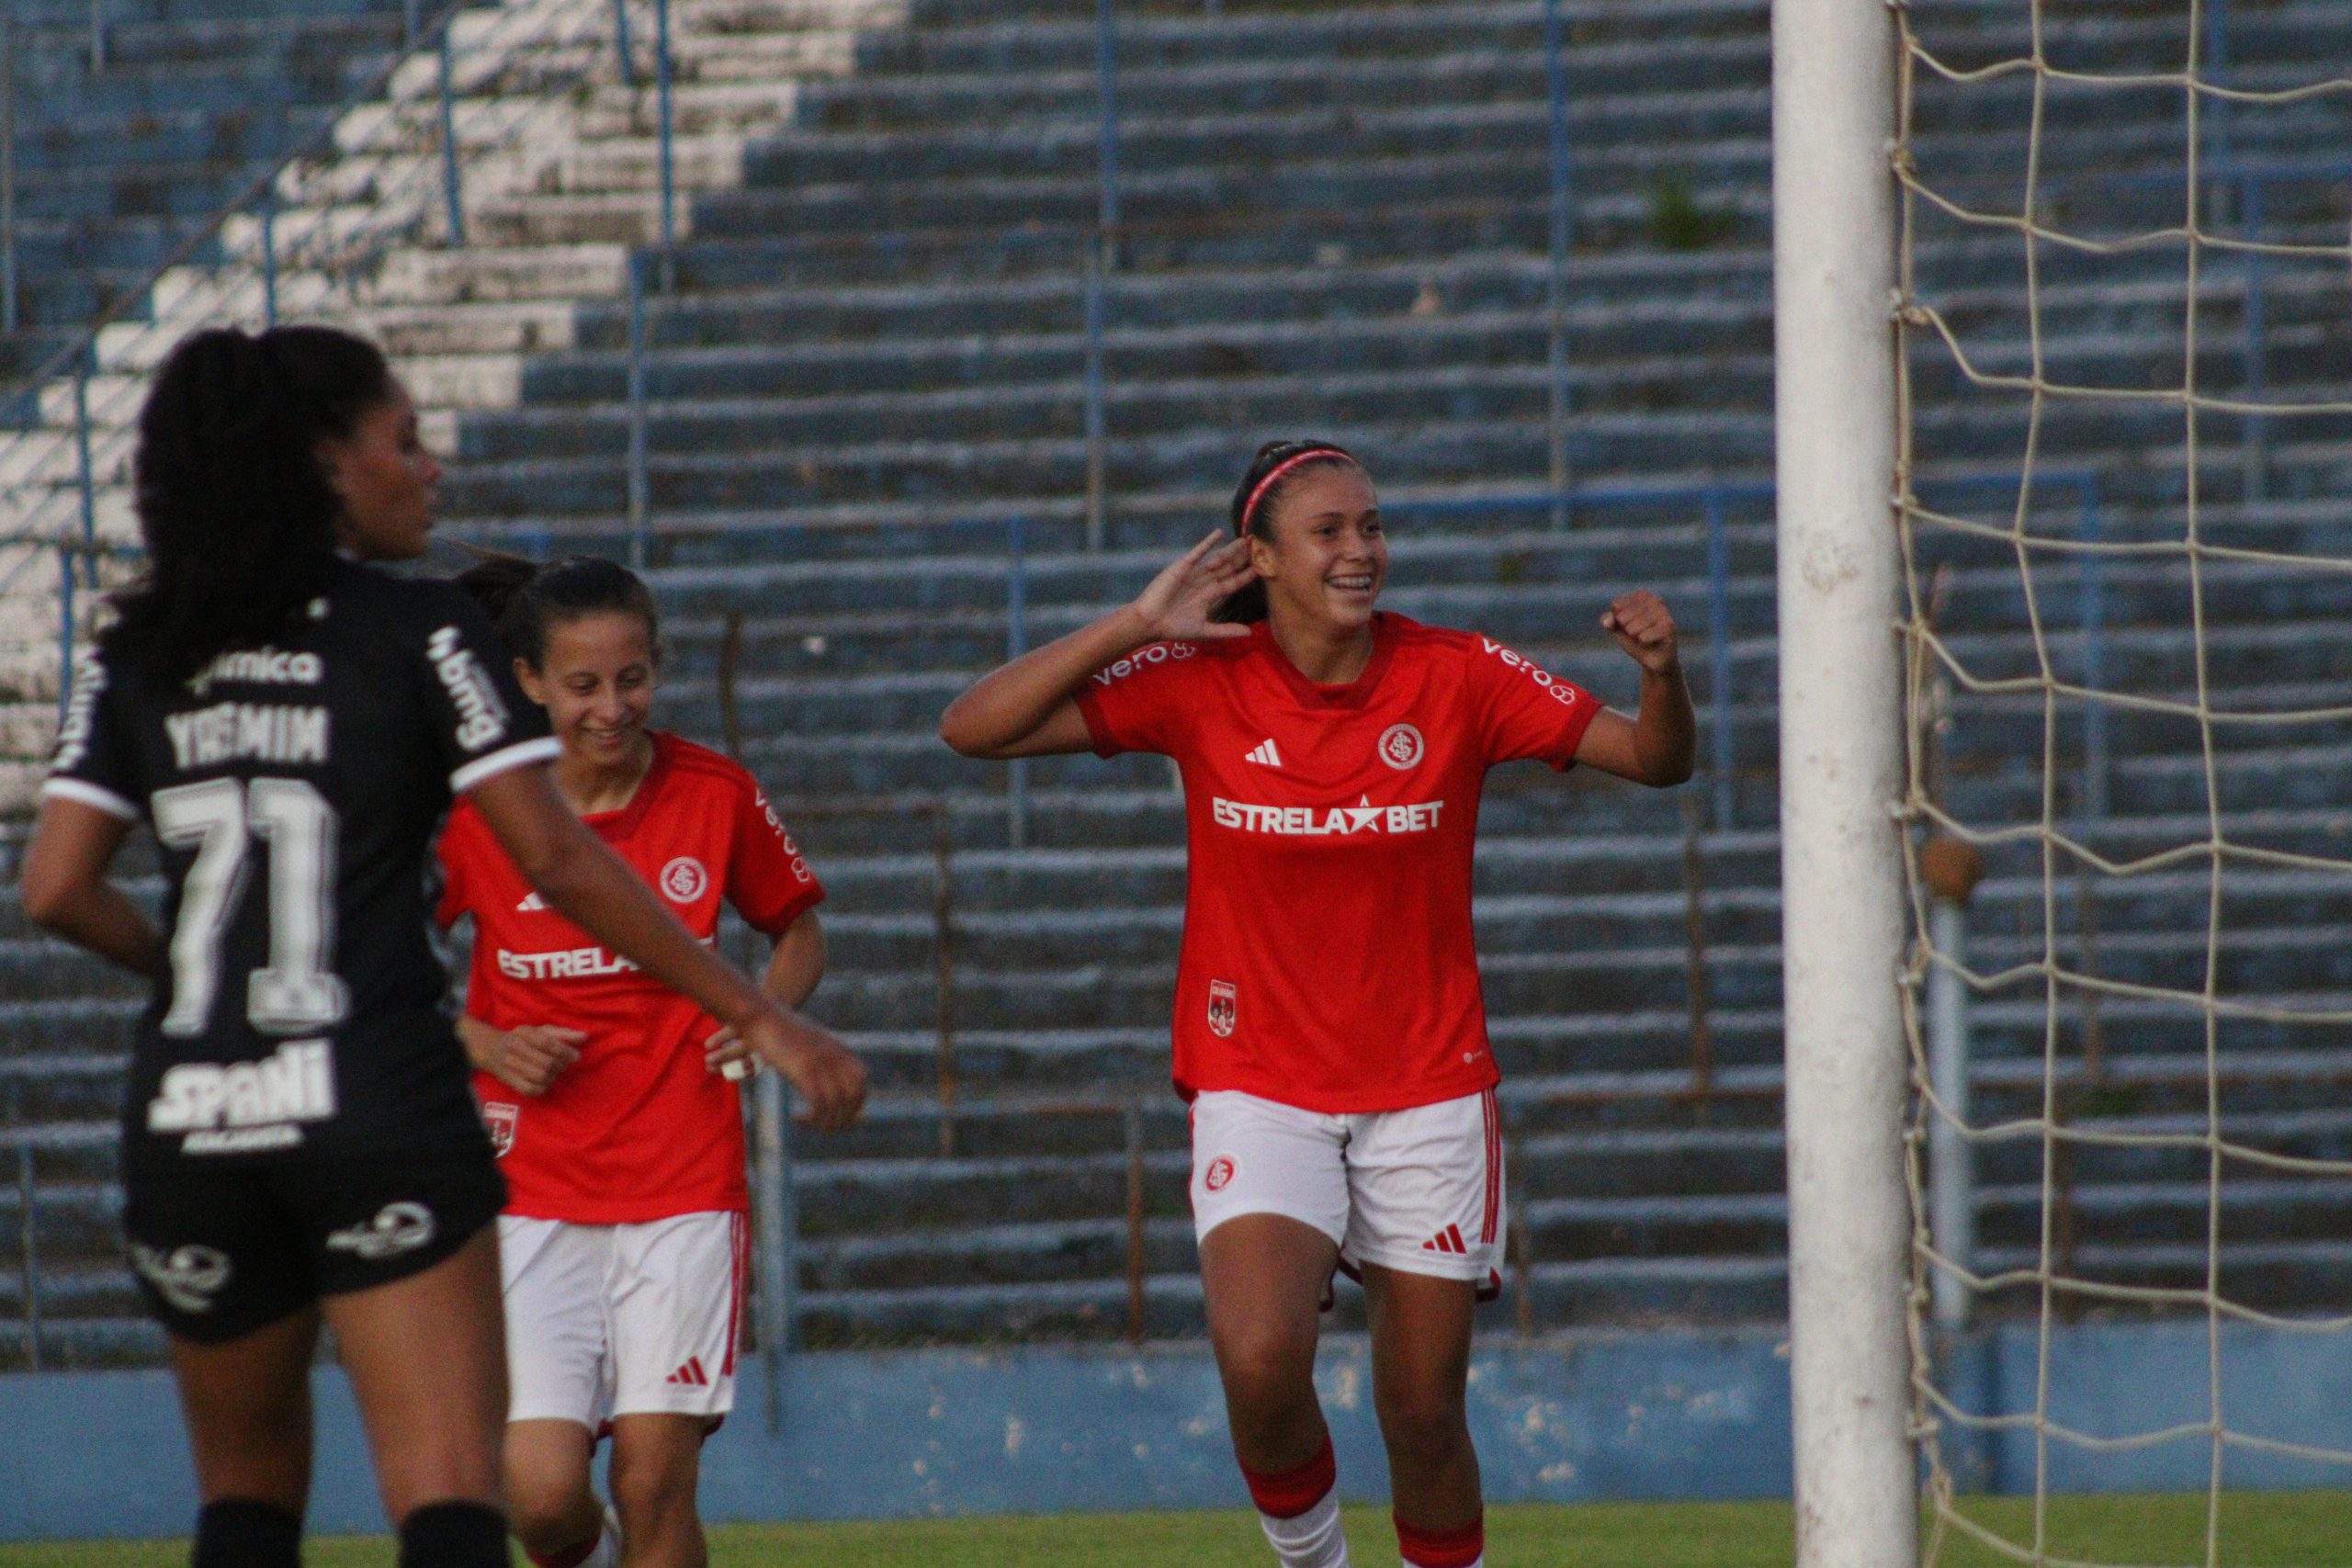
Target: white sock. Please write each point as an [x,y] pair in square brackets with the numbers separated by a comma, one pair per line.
[1311,1539]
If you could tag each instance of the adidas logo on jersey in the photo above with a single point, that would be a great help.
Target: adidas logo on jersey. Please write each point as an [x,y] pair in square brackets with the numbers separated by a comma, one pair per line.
[1264,755]
[1446,1240]
[532,904]
[691,1375]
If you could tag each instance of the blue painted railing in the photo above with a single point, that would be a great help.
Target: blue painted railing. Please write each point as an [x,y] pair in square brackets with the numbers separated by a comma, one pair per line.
[72,541]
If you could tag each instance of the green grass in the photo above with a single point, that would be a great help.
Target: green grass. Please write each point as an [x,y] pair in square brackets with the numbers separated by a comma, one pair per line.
[2305,1529]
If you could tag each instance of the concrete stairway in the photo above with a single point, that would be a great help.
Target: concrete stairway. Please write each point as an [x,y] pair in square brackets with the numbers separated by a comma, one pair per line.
[560,177]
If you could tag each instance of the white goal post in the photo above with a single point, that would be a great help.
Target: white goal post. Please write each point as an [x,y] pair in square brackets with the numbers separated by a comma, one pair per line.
[1843,919]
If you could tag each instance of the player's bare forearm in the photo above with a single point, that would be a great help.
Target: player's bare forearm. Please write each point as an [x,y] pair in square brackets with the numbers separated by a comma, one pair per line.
[527,1059]
[798,963]
[101,919]
[590,886]
[480,1041]
[1658,746]
[1024,708]
[1666,729]
[65,890]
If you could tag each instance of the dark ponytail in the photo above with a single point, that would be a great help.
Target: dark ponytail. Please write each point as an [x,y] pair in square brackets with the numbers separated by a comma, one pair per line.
[528,600]
[1253,508]
[233,499]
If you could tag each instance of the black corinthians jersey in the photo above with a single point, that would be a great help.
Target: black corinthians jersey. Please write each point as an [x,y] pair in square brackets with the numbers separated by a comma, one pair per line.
[294,790]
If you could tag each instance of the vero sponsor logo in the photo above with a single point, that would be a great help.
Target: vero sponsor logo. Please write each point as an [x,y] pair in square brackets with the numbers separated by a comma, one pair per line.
[1561,692]
[1143,658]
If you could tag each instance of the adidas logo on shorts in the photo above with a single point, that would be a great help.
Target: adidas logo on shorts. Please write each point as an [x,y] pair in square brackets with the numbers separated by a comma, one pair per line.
[691,1375]
[1446,1240]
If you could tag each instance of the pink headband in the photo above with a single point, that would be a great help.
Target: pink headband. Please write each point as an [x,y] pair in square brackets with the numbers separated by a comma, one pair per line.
[1250,507]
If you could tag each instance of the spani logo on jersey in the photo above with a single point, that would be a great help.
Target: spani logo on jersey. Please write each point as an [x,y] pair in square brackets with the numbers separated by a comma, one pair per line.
[481,716]
[245,1106]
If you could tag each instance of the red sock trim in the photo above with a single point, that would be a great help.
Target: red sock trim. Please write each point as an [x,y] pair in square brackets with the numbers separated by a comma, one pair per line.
[1290,1493]
[1442,1549]
[571,1556]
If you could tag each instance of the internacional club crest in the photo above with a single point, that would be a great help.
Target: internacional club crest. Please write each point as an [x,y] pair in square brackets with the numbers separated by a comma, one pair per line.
[1219,1172]
[500,1117]
[684,880]
[1225,1005]
[1400,747]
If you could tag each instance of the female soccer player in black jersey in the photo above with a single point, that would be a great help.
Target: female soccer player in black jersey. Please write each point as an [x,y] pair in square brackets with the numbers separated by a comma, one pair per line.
[300,1144]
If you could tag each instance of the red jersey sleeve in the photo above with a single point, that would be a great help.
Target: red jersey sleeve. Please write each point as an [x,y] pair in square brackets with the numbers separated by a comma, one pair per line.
[768,879]
[1528,711]
[1141,703]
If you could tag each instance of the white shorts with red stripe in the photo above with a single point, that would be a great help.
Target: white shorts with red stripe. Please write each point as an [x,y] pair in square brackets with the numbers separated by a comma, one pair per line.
[622,1320]
[1419,1191]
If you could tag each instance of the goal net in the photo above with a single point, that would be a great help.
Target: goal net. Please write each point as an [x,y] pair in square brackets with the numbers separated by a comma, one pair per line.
[2125,423]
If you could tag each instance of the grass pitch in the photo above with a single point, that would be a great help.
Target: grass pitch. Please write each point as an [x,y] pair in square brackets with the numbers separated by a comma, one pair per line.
[2305,1529]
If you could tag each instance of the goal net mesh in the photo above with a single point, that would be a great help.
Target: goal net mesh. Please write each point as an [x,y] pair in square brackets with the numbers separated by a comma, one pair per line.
[2126,428]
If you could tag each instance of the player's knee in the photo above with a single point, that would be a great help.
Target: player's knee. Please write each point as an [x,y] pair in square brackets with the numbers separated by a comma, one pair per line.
[654,1490]
[455,1534]
[1427,1419]
[546,1518]
[1264,1365]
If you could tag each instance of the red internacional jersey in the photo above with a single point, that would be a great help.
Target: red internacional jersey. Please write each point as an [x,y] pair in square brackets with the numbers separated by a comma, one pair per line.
[637,1129]
[1327,961]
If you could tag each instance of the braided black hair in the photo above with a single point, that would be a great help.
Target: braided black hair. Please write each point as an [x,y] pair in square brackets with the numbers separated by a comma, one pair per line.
[233,501]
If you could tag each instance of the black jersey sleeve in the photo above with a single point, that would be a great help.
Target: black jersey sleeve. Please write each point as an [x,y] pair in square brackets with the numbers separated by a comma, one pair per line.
[95,762]
[482,724]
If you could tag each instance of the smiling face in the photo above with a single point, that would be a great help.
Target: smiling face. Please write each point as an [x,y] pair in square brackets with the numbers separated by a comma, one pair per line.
[1328,557]
[597,686]
[385,478]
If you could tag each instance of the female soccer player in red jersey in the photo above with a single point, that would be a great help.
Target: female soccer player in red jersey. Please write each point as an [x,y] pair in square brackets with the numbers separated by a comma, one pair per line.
[1330,1032]
[623,1241]
[298,1145]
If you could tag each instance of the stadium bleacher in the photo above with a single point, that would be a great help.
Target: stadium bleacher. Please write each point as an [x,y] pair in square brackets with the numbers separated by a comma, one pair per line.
[134,120]
[867,428]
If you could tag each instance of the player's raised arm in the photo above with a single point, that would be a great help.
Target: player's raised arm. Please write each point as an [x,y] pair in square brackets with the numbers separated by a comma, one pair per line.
[1025,708]
[1658,745]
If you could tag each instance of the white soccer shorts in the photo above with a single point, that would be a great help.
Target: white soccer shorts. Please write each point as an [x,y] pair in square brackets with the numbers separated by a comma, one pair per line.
[1417,1191]
[622,1320]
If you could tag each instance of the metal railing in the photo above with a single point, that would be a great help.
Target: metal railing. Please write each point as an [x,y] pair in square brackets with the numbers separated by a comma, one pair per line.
[49,510]
[1104,248]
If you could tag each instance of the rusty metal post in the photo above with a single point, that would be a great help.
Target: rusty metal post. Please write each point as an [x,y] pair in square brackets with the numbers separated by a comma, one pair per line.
[1133,1117]
[943,942]
[1694,886]
[730,671]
